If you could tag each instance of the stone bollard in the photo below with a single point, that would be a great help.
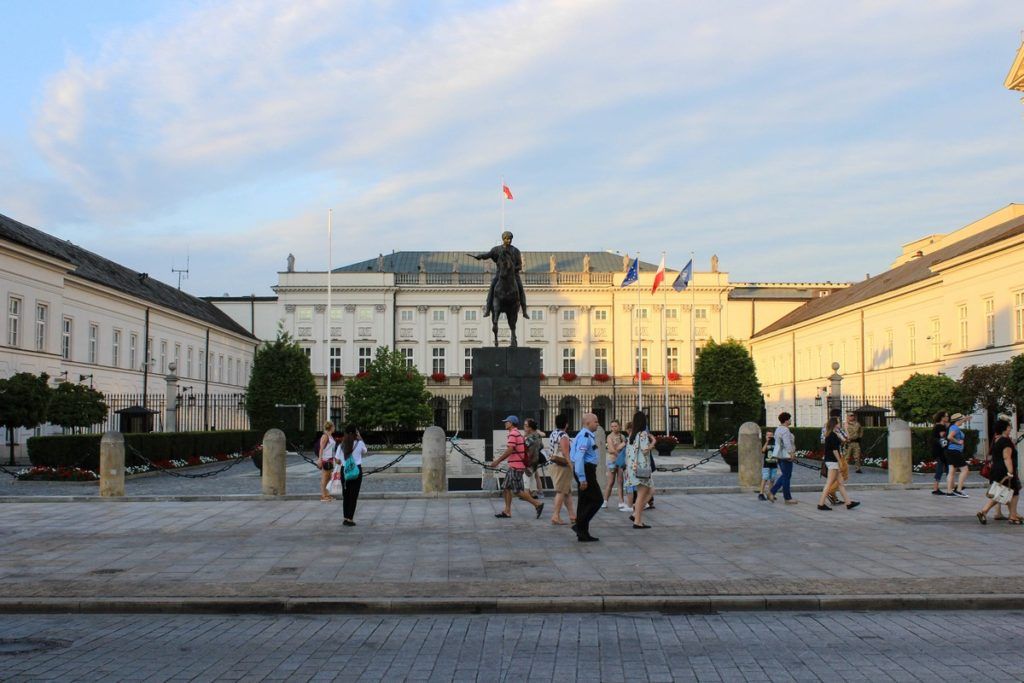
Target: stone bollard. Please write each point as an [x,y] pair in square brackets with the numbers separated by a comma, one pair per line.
[434,468]
[273,463]
[112,464]
[901,462]
[749,443]
[602,456]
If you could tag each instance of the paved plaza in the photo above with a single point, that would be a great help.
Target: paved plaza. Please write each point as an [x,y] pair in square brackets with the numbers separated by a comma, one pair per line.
[829,647]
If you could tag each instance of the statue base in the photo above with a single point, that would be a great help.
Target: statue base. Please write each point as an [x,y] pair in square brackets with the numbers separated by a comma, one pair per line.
[506,381]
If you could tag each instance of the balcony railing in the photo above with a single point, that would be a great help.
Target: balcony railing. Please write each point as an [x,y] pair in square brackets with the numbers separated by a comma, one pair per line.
[529,279]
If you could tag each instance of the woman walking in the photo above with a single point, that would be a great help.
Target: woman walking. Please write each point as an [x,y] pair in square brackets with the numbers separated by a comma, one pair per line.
[638,468]
[833,452]
[351,447]
[561,470]
[534,439]
[616,443]
[1004,470]
[325,462]
[938,443]
[956,457]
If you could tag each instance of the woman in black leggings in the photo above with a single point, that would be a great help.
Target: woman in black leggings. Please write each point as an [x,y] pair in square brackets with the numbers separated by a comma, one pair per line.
[352,446]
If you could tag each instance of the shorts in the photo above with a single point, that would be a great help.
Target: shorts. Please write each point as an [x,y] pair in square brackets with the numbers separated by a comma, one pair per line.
[327,465]
[620,460]
[831,465]
[767,473]
[955,458]
[514,481]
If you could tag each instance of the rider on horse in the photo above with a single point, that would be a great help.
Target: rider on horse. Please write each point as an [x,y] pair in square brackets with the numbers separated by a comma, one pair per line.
[508,257]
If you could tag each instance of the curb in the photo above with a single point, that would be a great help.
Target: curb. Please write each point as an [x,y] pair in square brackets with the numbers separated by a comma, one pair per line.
[697,604]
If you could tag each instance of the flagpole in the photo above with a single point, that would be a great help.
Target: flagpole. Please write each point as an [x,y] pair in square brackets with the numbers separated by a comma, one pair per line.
[502,189]
[327,318]
[693,320]
[664,344]
[639,343]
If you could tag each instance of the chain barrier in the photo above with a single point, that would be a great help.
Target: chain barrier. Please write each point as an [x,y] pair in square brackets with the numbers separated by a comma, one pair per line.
[481,463]
[183,475]
[8,472]
[870,448]
[366,473]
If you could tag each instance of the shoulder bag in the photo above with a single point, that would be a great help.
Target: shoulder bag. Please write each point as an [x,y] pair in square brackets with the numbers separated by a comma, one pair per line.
[1000,492]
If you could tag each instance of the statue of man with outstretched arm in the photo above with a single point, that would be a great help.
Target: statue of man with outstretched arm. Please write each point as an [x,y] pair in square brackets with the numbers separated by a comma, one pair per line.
[504,256]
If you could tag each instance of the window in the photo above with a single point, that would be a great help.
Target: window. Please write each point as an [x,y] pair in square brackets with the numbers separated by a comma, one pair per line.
[245,377]
[700,313]
[238,371]
[961,314]
[148,352]
[42,314]
[536,314]
[467,361]
[177,358]
[600,361]
[568,314]
[438,315]
[306,350]
[365,358]
[541,359]
[642,313]
[115,348]
[871,352]
[671,314]
[407,354]
[437,360]
[912,344]
[13,320]
[133,351]
[990,322]
[335,359]
[364,314]
[601,314]
[935,339]
[203,363]
[470,315]
[188,361]
[641,360]
[568,361]
[335,314]
[94,333]
[888,348]
[65,339]
[407,316]
[230,377]
[163,357]
[220,365]
[304,314]
[1018,316]
[672,359]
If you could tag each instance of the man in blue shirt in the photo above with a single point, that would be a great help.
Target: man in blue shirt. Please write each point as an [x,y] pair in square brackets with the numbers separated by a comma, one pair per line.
[584,469]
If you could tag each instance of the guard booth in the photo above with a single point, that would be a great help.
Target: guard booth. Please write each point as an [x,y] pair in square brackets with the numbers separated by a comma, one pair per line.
[135,420]
[871,416]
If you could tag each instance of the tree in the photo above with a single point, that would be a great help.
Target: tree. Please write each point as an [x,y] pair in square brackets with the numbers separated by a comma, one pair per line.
[724,372]
[281,381]
[987,387]
[921,396]
[74,406]
[24,399]
[1015,383]
[390,396]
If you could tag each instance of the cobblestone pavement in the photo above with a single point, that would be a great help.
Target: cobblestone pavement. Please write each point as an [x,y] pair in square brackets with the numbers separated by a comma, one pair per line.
[834,647]
[303,479]
[898,542]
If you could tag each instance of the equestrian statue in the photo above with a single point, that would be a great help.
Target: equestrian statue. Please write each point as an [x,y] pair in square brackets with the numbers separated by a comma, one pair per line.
[506,293]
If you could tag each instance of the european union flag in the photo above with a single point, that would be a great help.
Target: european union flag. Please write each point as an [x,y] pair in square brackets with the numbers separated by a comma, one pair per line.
[682,280]
[633,274]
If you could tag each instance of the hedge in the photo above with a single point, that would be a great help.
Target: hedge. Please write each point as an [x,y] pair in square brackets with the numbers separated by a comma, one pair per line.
[875,442]
[83,450]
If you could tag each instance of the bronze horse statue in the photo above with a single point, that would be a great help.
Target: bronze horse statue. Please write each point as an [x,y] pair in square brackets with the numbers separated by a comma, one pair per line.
[506,299]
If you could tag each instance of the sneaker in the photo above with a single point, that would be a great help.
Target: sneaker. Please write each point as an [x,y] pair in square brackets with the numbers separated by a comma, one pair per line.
[937,492]
[960,494]
[852,504]
[760,496]
[604,505]
[949,494]
[624,508]
[824,507]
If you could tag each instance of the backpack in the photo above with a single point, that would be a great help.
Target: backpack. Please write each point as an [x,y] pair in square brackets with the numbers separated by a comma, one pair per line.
[534,451]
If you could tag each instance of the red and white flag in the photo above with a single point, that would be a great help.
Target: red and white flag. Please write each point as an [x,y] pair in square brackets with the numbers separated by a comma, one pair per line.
[508,192]
[659,277]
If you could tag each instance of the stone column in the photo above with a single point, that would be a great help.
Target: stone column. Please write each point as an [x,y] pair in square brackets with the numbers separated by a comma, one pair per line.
[433,470]
[750,455]
[901,461]
[602,456]
[835,394]
[112,464]
[273,463]
[171,410]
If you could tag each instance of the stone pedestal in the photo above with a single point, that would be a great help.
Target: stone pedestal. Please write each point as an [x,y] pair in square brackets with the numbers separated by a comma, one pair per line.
[112,464]
[749,445]
[273,479]
[463,474]
[901,462]
[433,467]
[506,381]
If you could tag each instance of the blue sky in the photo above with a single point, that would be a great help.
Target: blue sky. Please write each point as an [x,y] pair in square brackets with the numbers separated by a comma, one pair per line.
[798,140]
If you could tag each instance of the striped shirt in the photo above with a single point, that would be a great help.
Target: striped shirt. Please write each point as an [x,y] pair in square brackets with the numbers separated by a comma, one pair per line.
[517,443]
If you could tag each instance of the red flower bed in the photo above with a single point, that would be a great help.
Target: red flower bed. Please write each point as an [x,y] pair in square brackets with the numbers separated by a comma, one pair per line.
[439,377]
[644,375]
[468,376]
[360,375]
[569,376]
[674,376]
[601,377]
[335,376]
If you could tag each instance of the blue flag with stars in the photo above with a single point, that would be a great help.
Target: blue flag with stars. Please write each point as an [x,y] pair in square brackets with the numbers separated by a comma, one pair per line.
[682,280]
[633,274]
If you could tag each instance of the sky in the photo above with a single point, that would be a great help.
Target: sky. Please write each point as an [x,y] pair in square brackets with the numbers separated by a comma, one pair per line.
[799,140]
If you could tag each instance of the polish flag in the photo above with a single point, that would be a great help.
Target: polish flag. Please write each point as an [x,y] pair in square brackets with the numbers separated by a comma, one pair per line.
[508,192]
[659,277]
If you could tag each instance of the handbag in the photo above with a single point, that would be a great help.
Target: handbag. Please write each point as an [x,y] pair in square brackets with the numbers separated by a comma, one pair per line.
[1000,492]
[986,469]
[643,468]
[351,469]
[334,486]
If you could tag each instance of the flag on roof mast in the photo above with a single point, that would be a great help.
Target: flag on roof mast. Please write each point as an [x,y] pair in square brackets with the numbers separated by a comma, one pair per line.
[683,279]
[633,274]
[659,277]
[508,192]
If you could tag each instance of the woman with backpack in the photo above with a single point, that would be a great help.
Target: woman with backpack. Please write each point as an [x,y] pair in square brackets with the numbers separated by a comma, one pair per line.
[350,452]
[325,460]
[639,468]
[561,470]
[535,452]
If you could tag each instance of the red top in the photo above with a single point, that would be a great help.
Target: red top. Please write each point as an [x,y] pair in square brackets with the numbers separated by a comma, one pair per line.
[517,443]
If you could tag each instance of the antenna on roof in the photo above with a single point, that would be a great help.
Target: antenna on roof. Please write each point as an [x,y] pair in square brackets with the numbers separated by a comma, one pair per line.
[182,272]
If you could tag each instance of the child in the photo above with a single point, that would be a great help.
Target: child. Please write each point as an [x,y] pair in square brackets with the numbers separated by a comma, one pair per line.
[768,465]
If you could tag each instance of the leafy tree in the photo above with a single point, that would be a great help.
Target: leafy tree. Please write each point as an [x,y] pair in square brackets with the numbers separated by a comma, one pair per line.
[1015,383]
[724,372]
[74,406]
[921,396]
[987,387]
[281,377]
[390,396]
[24,399]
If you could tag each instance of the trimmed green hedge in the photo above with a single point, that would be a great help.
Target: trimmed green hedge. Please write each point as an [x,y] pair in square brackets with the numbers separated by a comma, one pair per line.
[875,442]
[83,450]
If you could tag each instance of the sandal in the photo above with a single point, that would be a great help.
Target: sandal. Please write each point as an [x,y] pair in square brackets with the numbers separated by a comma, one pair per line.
[1016,521]
[982,519]
[558,522]
[502,515]
[1000,518]
[326,499]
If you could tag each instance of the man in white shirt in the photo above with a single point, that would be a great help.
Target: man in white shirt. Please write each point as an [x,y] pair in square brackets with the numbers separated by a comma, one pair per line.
[785,451]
